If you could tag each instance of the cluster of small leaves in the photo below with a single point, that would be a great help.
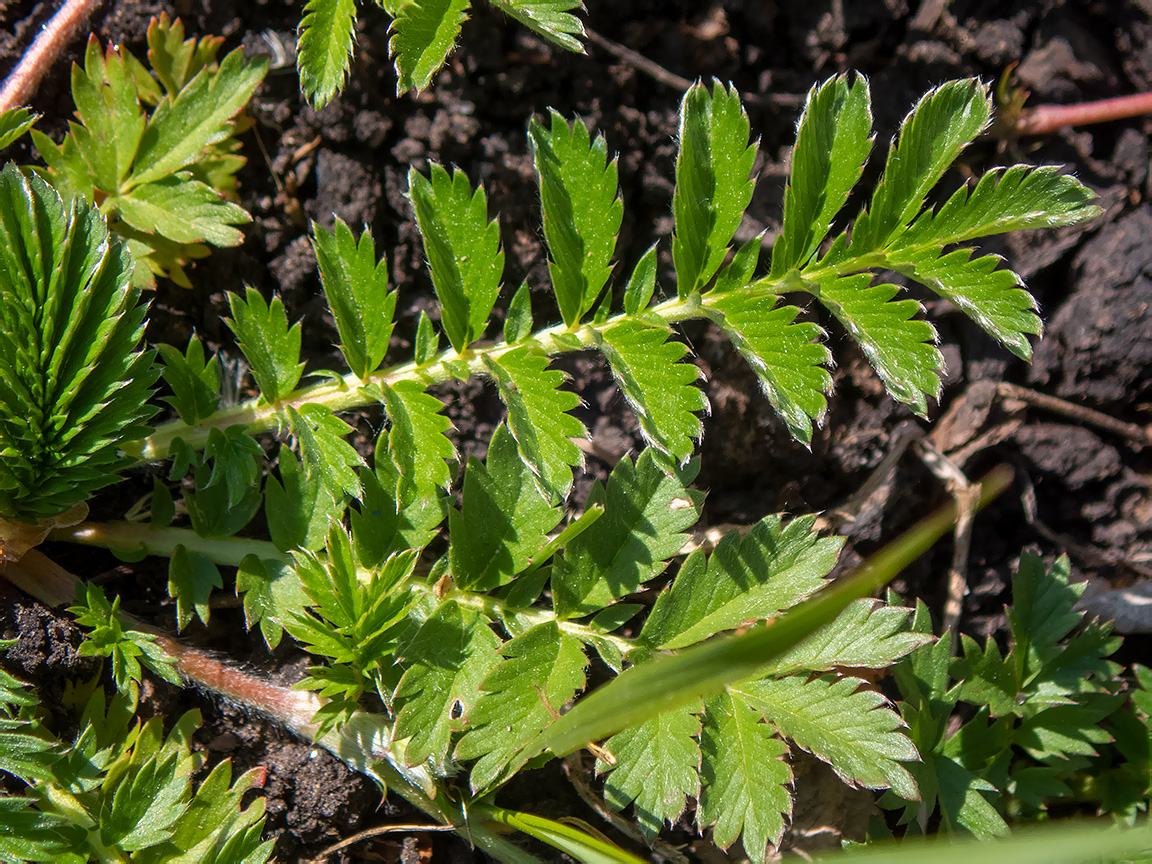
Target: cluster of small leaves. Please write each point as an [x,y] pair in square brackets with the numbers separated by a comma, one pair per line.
[1054,722]
[422,34]
[73,384]
[156,150]
[118,791]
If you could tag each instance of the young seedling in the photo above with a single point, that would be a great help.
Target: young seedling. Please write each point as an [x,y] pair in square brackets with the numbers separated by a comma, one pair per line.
[474,652]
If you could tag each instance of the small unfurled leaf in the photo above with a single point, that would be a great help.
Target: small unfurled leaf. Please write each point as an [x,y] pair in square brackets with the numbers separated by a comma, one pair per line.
[195,383]
[422,34]
[15,122]
[656,766]
[504,521]
[541,670]
[463,250]
[787,356]
[641,284]
[445,662]
[713,184]
[518,321]
[191,578]
[127,649]
[175,59]
[416,441]
[324,47]
[549,18]
[538,416]
[899,346]
[300,510]
[326,455]
[833,139]
[183,210]
[645,509]
[356,287]
[835,720]
[271,347]
[645,362]
[236,461]
[582,211]
[199,115]
[755,577]
[943,123]
[744,777]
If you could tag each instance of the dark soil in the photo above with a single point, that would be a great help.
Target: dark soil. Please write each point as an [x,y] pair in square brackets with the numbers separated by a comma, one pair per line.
[1092,487]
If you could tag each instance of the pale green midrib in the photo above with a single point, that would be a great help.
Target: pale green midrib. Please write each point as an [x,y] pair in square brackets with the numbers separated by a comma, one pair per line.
[231,551]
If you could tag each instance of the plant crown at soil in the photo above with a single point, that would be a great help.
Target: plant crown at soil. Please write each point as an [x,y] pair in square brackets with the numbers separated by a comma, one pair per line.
[475,653]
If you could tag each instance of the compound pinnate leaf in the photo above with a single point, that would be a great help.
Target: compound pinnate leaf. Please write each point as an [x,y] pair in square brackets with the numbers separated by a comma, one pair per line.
[199,115]
[582,211]
[744,777]
[755,577]
[850,728]
[549,18]
[66,410]
[645,511]
[899,346]
[416,441]
[324,48]
[271,347]
[541,670]
[423,32]
[866,635]
[356,287]
[713,184]
[943,123]
[195,383]
[656,765]
[451,653]
[538,416]
[504,520]
[833,139]
[645,362]
[191,578]
[463,250]
[787,356]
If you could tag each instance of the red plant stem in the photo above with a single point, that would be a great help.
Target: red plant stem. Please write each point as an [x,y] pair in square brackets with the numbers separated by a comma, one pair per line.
[1042,119]
[57,33]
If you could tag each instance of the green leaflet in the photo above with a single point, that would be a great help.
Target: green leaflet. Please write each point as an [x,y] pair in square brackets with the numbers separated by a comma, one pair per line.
[645,510]
[538,416]
[423,33]
[833,139]
[356,287]
[786,355]
[754,577]
[416,442]
[656,767]
[298,507]
[324,48]
[463,250]
[184,210]
[900,347]
[446,661]
[326,455]
[582,211]
[237,460]
[191,578]
[943,123]
[271,591]
[645,362]
[195,383]
[541,670]
[712,182]
[15,122]
[270,346]
[836,721]
[74,387]
[549,18]
[744,777]
[504,521]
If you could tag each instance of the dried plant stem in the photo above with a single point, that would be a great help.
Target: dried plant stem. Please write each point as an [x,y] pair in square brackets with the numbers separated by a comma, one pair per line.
[57,33]
[1042,119]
